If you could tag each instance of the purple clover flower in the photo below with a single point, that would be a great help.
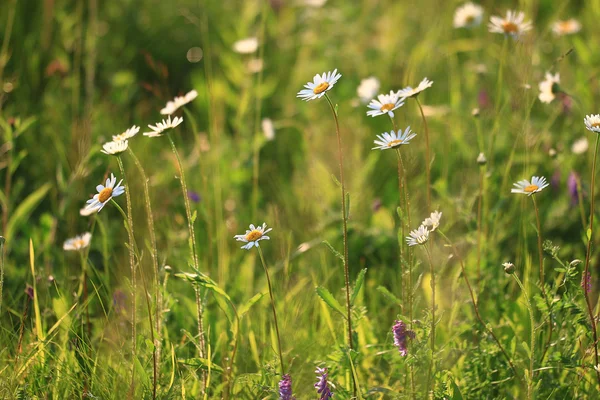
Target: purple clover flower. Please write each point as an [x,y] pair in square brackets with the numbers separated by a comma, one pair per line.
[194,196]
[586,282]
[285,388]
[322,384]
[400,335]
[572,187]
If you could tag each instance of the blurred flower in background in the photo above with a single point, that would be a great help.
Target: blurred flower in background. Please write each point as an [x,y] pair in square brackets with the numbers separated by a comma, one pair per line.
[468,15]
[512,25]
[246,46]
[368,89]
[568,27]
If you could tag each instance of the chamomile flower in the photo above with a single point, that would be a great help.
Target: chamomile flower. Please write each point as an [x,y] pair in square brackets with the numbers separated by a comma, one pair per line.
[393,140]
[549,87]
[161,127]
[320,85]
[468,15]
[512,25]
[254,235]
[385,104]
[246,46]
[86,212]
[537,184]
[115,148]
[418,236]
[412,92]
[433,221]
[592,122]
[128,134]
[368,89]
[78,242]
[178,101]
[105,193]
[568,27]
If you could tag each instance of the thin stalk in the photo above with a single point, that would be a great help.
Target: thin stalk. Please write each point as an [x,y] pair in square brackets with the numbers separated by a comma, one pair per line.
[262,259]
[588,256]
[4,50]
[85,292]
[229,371]
[432,273]
[427,155]
[479,220]
[1,270]
[532,354]
[500,74]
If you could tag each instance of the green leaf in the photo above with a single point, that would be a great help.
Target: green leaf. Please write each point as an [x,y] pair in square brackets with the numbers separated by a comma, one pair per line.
[328,298]
[200,363]
[589,234]
[335,179]
[244,308]
[386,293]
[25,208]
[347,206]
[357,285]
[194,215]
[334,251]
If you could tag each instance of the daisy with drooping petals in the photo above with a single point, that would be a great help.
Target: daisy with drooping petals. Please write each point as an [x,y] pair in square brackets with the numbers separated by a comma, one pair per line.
[385,104]
[568,27]
[418,236]
[78,242]
[178,101]
[254,235]
[320,85]
[105,193]
[537,184]
[161,127]
[410,92]
[468,15]
[592,122]
[433,221]
[512,25]
[549,87]
[128,134]
[115,148]
[393,140]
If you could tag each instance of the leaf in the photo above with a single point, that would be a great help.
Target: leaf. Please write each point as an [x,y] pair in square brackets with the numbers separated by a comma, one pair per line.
[328,298]
[386,293]
[347,206]
[244,308]
[589,234]
[334,251]
[198,362]
[194,215]
[335,179]
[357,285]
[24,210]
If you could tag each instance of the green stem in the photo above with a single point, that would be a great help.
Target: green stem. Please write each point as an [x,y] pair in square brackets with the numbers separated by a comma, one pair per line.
[1,270]
[532,354]
[432,273]
[427,155]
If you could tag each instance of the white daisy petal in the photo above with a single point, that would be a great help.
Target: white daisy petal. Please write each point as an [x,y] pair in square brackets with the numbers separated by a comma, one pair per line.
[320,85]
[105,194]
[78,242]
[512,25]
[393,140]
[536,185]
[468,15]
[253,236]
[178,102]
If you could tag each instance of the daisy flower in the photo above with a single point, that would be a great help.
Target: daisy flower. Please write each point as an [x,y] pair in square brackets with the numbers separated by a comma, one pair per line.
[105,193]
[368,89]
[468,15]
[254,235]
[78,242]
[537,184]
[513,24]
[410,92]
[86,212]
[128,134]
[418,236]
[385,104]
[115,148]
[160,127]
[580,146]
[509,267]
[393,140]
[549,87]
[178,101]
[568,27]
[433,221]
[592,122]
[319,86]
[246,46]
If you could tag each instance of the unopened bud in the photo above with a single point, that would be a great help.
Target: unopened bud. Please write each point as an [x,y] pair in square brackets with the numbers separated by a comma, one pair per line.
[481,160]
[509,268]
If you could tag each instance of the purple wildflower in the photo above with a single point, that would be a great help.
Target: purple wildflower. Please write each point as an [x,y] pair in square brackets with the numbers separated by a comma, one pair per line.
[586,282]
[400,334]
[285,388]
[322,385]
[29,292]
[194,196]
[572,187]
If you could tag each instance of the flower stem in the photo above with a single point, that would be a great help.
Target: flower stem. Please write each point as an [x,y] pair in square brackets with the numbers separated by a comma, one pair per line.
[427,155]
[532,356]
[1,269]
[479,221]
[432,282]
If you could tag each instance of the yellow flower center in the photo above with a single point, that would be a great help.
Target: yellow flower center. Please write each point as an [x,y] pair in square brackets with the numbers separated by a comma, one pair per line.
[595,125]
[564,26]
[395,143]
[105,194]
[254,235]
[79,243]
[320,88]
[510,27]
[531,188]
[470,18]
[387,107]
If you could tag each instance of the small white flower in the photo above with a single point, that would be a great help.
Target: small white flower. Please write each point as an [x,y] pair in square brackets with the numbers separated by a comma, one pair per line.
[86,212]
[509,267]
[368,89]
[105,193]
[418,236]
[410,92]
[537,184]
[481,159]
[592,122]
[253,236]
[385,104]
[268,129]
[78,242]
[568,27]
[549,87]
[393,140]
[246,46]
[580,146]
[433,221]
[178,102]
[160,127]
[128,134]
[513,24]
[319,86]
[114,148]
[468,15]
[314,3]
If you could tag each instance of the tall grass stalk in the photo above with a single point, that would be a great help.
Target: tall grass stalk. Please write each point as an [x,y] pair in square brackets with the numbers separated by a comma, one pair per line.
[430,381]
[1,270]
[427,154]
[532,345]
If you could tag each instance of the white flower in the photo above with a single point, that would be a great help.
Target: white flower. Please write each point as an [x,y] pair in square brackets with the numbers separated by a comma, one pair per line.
[128,134]
[418,236]
[549,87]
[592,122]
[114,148]
[246,46]
[160,127]
[509,267]
[410,92]
[580,146]
[178,101]
[513,24]
[78,242]
[393,140]
[268,129]
[468,15]
[433,221]
[314,3]
[568,27]
[434,111]
[368,89]
[319,86]
[86,212]
[537,184]
[481,159]
[253,236]
[385,104]
[105,193]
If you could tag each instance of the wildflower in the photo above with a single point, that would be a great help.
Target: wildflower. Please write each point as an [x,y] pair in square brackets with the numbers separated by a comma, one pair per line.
[105,193]
[246,46]
[433,221]
[86,212]
[549,87]
[253,236]
[114,148]
[509,267]
[128,134]
[475,112]
[178,101]
[468,15]
[285,388]
[78,242]
[322,384]
[592,122]
[410,92]
[385,104]
[160,127]
[315,3]
[400,335]
[580,146]
[586,282]
[481,159]
[368,88]
[536,185]
[194,196]
[435,111]
[320,85]
[568,27]
[418,236]
[393,139]
[268,129]
[572,182]
[513,24]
